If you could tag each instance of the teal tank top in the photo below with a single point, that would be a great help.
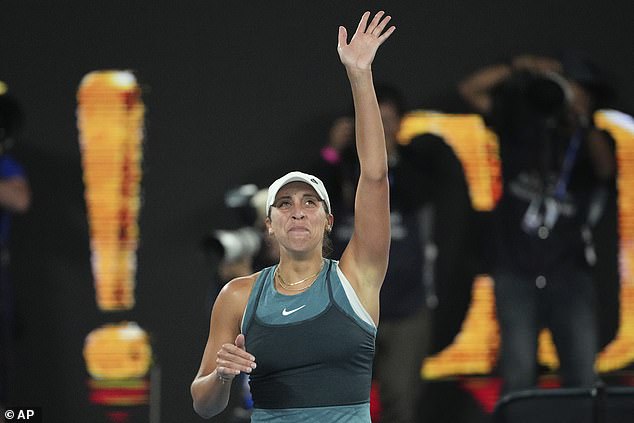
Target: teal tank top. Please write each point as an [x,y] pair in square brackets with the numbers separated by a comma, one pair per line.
[314,351]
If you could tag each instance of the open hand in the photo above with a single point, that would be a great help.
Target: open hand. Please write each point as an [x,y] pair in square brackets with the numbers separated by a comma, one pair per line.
[359,54]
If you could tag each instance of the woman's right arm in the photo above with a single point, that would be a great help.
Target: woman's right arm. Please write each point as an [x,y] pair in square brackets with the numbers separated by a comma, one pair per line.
[225,355]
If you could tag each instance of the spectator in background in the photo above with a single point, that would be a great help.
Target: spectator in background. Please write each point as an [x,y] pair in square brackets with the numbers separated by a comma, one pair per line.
[556,167]
[429,208]
[15,197]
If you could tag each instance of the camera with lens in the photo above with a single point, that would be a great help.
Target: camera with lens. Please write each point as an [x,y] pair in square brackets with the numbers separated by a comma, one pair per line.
[233,245]
[546,94]
[532,98]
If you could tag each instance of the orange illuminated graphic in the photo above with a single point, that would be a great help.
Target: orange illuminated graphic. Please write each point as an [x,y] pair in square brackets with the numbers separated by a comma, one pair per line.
[475,145]
[110,118]
[118,356]
[475,348]
[110,121]
[118,351]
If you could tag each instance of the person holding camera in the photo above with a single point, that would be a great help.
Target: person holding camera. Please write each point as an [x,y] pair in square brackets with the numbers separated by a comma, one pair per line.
[556,166]
[304,328]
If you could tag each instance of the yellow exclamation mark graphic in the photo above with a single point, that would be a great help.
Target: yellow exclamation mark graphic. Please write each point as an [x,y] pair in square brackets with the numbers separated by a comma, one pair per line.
[110,119]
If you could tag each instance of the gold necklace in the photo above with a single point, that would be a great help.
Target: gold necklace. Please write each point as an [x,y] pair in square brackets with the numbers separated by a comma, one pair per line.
[297,289]
[289,286]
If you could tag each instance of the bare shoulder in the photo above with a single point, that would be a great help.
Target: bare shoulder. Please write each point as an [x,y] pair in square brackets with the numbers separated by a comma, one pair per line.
[235,293]
[239,287]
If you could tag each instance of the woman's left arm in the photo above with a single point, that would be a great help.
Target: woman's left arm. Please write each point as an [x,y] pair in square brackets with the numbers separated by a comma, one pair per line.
[365,259]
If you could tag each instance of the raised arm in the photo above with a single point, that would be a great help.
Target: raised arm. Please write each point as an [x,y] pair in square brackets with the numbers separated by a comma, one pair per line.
[476,88]
[365,259]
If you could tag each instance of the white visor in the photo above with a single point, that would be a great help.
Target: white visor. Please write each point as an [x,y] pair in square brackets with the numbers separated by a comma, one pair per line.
[296,176]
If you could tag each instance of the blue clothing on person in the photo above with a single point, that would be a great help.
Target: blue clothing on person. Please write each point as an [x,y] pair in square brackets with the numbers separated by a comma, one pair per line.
[9,168]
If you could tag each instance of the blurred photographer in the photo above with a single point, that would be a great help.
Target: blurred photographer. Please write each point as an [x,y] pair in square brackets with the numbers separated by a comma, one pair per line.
[556,169]
[15,197]
[241,250]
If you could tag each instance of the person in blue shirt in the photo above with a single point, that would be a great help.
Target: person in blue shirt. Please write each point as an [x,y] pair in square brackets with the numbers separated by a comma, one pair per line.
[15,197]
[304,328]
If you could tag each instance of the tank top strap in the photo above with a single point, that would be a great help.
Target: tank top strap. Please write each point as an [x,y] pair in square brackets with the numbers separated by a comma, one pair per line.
[329,270]
[254,298]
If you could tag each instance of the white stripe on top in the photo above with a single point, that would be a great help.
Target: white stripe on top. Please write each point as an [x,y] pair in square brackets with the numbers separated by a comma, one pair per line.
[357,307]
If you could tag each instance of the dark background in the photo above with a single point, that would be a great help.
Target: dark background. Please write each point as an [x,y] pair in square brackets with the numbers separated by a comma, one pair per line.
[236,92]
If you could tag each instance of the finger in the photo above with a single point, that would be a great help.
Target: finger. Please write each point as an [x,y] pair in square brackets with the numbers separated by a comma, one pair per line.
[231,349]
[386,34]
[375,21]
[225,358]
[343,37]
[363,23]
[233,366]
[240,342]
[381,26]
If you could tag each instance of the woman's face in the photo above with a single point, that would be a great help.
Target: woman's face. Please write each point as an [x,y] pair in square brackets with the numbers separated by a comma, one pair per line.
[298,218]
